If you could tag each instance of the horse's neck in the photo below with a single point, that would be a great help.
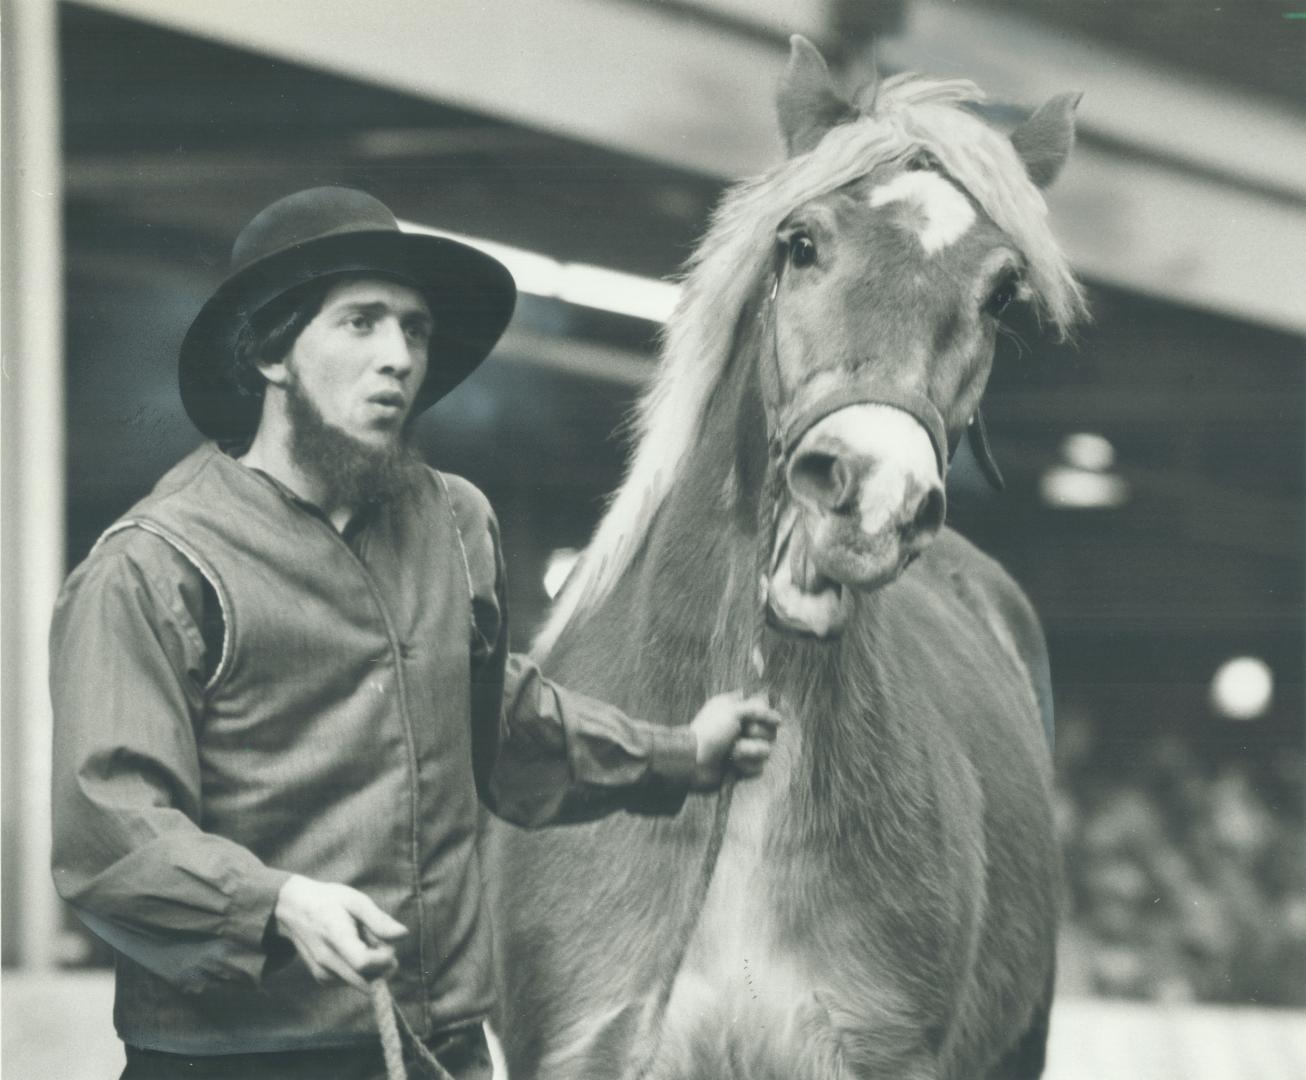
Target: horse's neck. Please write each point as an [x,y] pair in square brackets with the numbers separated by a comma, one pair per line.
[690,603]
[703,618]
[677,623]
[700,619]
[696,582]
[685,618]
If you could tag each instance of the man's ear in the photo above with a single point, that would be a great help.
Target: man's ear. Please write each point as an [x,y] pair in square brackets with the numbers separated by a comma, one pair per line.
[275,372]
[1045,140]
[807,102]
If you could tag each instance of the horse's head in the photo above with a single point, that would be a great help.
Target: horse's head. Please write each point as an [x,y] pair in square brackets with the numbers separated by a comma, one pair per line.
[877,341]
[877,260]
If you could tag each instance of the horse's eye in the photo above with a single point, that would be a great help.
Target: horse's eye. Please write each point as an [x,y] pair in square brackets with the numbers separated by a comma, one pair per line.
[802,252]
[1002,296]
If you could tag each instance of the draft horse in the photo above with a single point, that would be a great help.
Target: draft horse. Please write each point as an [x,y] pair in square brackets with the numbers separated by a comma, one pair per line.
[882,902]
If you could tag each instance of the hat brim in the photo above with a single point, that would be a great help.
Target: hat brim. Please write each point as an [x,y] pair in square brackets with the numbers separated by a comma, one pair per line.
[471,296]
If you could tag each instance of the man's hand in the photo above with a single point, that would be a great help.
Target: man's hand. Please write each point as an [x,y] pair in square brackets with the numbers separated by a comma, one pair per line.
[734,727]
[337,931]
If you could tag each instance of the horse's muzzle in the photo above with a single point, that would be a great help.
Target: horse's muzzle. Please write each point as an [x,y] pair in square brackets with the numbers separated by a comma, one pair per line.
[866,499]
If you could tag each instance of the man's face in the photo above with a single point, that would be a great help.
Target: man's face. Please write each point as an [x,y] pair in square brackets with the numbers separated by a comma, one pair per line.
[361,361]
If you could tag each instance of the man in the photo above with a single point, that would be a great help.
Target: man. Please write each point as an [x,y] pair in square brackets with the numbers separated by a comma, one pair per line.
[282,679]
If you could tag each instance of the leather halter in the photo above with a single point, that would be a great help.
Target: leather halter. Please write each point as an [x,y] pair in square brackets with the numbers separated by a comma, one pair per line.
[865,388]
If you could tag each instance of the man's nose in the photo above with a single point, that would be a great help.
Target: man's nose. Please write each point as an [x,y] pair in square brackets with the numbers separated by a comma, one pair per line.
[395,350]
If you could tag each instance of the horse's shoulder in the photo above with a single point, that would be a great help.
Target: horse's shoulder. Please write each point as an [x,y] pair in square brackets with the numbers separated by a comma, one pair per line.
[983,586]
[979,575]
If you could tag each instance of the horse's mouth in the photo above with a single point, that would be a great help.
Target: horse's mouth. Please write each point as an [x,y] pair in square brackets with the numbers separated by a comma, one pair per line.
[799,598]
[812,583]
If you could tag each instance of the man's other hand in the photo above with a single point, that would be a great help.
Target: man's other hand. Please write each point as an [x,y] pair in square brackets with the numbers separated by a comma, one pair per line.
[734,728]
[337,931]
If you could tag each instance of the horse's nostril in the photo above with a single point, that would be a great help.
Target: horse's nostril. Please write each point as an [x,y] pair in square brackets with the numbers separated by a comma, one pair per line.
[822,479]
[929,515]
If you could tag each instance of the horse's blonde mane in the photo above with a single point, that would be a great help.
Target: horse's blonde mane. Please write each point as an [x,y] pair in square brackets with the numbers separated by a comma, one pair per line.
[910,114]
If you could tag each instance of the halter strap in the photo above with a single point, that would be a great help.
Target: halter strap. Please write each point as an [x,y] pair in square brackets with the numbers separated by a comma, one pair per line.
[863,391]
[979,446]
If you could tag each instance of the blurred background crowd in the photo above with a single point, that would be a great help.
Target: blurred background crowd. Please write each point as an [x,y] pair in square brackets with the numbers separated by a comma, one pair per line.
[1186,866]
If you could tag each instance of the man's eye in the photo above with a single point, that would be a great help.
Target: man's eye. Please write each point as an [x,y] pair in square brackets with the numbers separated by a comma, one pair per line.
[360,322]
[418,332]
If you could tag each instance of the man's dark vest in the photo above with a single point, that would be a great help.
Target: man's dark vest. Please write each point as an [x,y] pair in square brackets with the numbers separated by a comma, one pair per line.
[351,672]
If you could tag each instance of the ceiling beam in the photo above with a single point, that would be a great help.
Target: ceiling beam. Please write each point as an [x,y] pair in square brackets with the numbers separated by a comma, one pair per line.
[624,75]
[1160,109]
[1218,221]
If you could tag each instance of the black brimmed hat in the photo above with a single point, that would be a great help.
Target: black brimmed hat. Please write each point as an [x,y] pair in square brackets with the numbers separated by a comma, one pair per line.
[326,232]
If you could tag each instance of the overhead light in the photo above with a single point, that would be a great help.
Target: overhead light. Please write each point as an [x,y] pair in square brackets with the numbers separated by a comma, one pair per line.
[1084,450]
[575,283]
[1079,489]
[1242,688]
[557,569]
[1085,481]
[611,290]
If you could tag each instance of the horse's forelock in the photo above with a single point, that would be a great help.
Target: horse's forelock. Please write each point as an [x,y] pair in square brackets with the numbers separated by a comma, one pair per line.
[906,90]
[732,263]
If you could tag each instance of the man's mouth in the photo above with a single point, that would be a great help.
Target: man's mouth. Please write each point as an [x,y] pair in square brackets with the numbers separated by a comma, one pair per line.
[389,401]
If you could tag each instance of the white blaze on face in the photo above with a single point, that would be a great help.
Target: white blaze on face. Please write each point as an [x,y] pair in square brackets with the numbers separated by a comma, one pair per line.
[947,213]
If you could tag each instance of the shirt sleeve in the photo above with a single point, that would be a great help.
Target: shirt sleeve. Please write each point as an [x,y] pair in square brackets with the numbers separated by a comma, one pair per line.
[543,754]
[127,671]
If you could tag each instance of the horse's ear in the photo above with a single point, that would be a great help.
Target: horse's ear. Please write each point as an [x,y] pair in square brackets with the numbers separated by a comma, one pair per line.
[1044,140]
[808,103]
[864,99]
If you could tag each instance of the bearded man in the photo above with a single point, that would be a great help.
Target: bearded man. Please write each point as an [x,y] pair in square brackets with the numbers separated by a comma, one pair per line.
[282,680]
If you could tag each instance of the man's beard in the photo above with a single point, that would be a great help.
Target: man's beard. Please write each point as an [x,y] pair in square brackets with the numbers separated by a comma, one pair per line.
[353,473]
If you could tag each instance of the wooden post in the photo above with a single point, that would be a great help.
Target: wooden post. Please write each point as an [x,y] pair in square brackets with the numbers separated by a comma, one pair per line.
[33,492]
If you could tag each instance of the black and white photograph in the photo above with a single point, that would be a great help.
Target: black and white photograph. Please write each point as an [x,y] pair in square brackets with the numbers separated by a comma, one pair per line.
[653,540]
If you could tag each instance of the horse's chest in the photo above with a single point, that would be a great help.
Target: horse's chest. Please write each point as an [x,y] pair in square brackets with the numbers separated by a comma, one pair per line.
[735,945]
[750,989]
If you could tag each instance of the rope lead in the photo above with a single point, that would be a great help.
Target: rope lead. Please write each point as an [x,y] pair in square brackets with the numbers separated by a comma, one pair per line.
[393,1028]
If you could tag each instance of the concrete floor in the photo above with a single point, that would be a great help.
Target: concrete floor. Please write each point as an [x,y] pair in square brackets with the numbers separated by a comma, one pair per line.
[58,1027]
